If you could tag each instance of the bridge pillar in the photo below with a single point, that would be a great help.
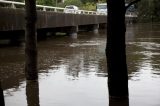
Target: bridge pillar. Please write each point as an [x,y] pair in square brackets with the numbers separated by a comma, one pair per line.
[41,34]
[73,31]
[95,28]
[103,26]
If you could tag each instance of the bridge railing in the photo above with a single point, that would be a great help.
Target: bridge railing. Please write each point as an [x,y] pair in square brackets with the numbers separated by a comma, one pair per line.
[13,4]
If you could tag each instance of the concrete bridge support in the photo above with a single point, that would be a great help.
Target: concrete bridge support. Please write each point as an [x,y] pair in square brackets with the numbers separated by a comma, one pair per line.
[95,28]
[92,27]
[73,30]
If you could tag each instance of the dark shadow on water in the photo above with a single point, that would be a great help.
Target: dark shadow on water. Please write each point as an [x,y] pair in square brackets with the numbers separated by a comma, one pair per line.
[119,102]
[1,96]
[13,43]
[32,93]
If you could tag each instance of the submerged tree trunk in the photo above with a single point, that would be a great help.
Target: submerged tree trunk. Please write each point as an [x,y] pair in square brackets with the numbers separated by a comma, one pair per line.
[116,49]
[31,41]
[1,96]
[119,102]
[32,93]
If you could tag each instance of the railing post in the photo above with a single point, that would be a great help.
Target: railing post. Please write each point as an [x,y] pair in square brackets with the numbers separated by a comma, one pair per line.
[44,8]
[55,9]
[13,5]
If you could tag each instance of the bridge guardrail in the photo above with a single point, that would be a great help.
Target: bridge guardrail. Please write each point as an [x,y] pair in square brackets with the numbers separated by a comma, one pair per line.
[13,4]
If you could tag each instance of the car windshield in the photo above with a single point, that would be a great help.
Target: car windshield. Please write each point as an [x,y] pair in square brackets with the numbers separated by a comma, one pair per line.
[69,7]
[102,7]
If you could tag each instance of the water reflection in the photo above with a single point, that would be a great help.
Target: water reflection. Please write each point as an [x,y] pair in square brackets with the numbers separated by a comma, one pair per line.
[143,51]
[78,56]
[11,66]
[143,57]
[73,71]
[119,102]
[32,93]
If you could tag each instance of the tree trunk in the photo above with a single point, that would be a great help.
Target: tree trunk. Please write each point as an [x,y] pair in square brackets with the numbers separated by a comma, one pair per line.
[119,102]
[116,49]
[32,93]
[1,96]
[31,41]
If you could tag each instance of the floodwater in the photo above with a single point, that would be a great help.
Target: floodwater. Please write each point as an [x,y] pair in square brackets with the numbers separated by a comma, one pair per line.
[72,72]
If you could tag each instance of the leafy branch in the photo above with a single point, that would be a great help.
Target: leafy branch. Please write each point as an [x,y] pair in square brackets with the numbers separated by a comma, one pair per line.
[131,3]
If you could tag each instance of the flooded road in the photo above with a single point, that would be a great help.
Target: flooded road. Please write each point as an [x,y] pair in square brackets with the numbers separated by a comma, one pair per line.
[72,72]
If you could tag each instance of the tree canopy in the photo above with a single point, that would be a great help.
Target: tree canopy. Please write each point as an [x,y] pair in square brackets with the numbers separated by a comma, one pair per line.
[149,10]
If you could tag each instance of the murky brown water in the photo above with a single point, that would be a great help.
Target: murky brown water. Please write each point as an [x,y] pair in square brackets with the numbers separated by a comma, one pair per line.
[72,72]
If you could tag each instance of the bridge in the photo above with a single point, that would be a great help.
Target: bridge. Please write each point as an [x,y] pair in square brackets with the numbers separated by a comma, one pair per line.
[53,19]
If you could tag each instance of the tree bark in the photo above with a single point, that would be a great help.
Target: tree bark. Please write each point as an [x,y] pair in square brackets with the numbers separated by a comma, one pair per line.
[116,49]
[119,102]
[32,93]
[31,41]
[1,96]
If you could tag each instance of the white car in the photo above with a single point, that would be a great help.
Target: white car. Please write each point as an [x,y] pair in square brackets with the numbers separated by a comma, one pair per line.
[101,8]
[71,9]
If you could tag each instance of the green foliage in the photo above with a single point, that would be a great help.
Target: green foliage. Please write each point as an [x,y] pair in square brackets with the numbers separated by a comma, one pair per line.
[156,10]
[46,2]
[18,0]
[73,2]
[149,10]
[102,1]
[88,1]
[89,6]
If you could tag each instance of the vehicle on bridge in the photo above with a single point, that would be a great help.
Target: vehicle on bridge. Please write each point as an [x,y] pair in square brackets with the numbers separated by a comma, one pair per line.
[71,9]
[101,8]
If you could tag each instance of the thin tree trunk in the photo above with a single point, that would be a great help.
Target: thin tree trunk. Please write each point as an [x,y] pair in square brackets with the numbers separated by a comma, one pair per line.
[119,102]
[31,41]
[32,93]
[1,96]
[116,49]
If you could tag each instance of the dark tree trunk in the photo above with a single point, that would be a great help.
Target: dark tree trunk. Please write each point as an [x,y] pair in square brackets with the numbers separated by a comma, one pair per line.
[31,41]
[119,102]
[32,93]
[1,96]
[116,49]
